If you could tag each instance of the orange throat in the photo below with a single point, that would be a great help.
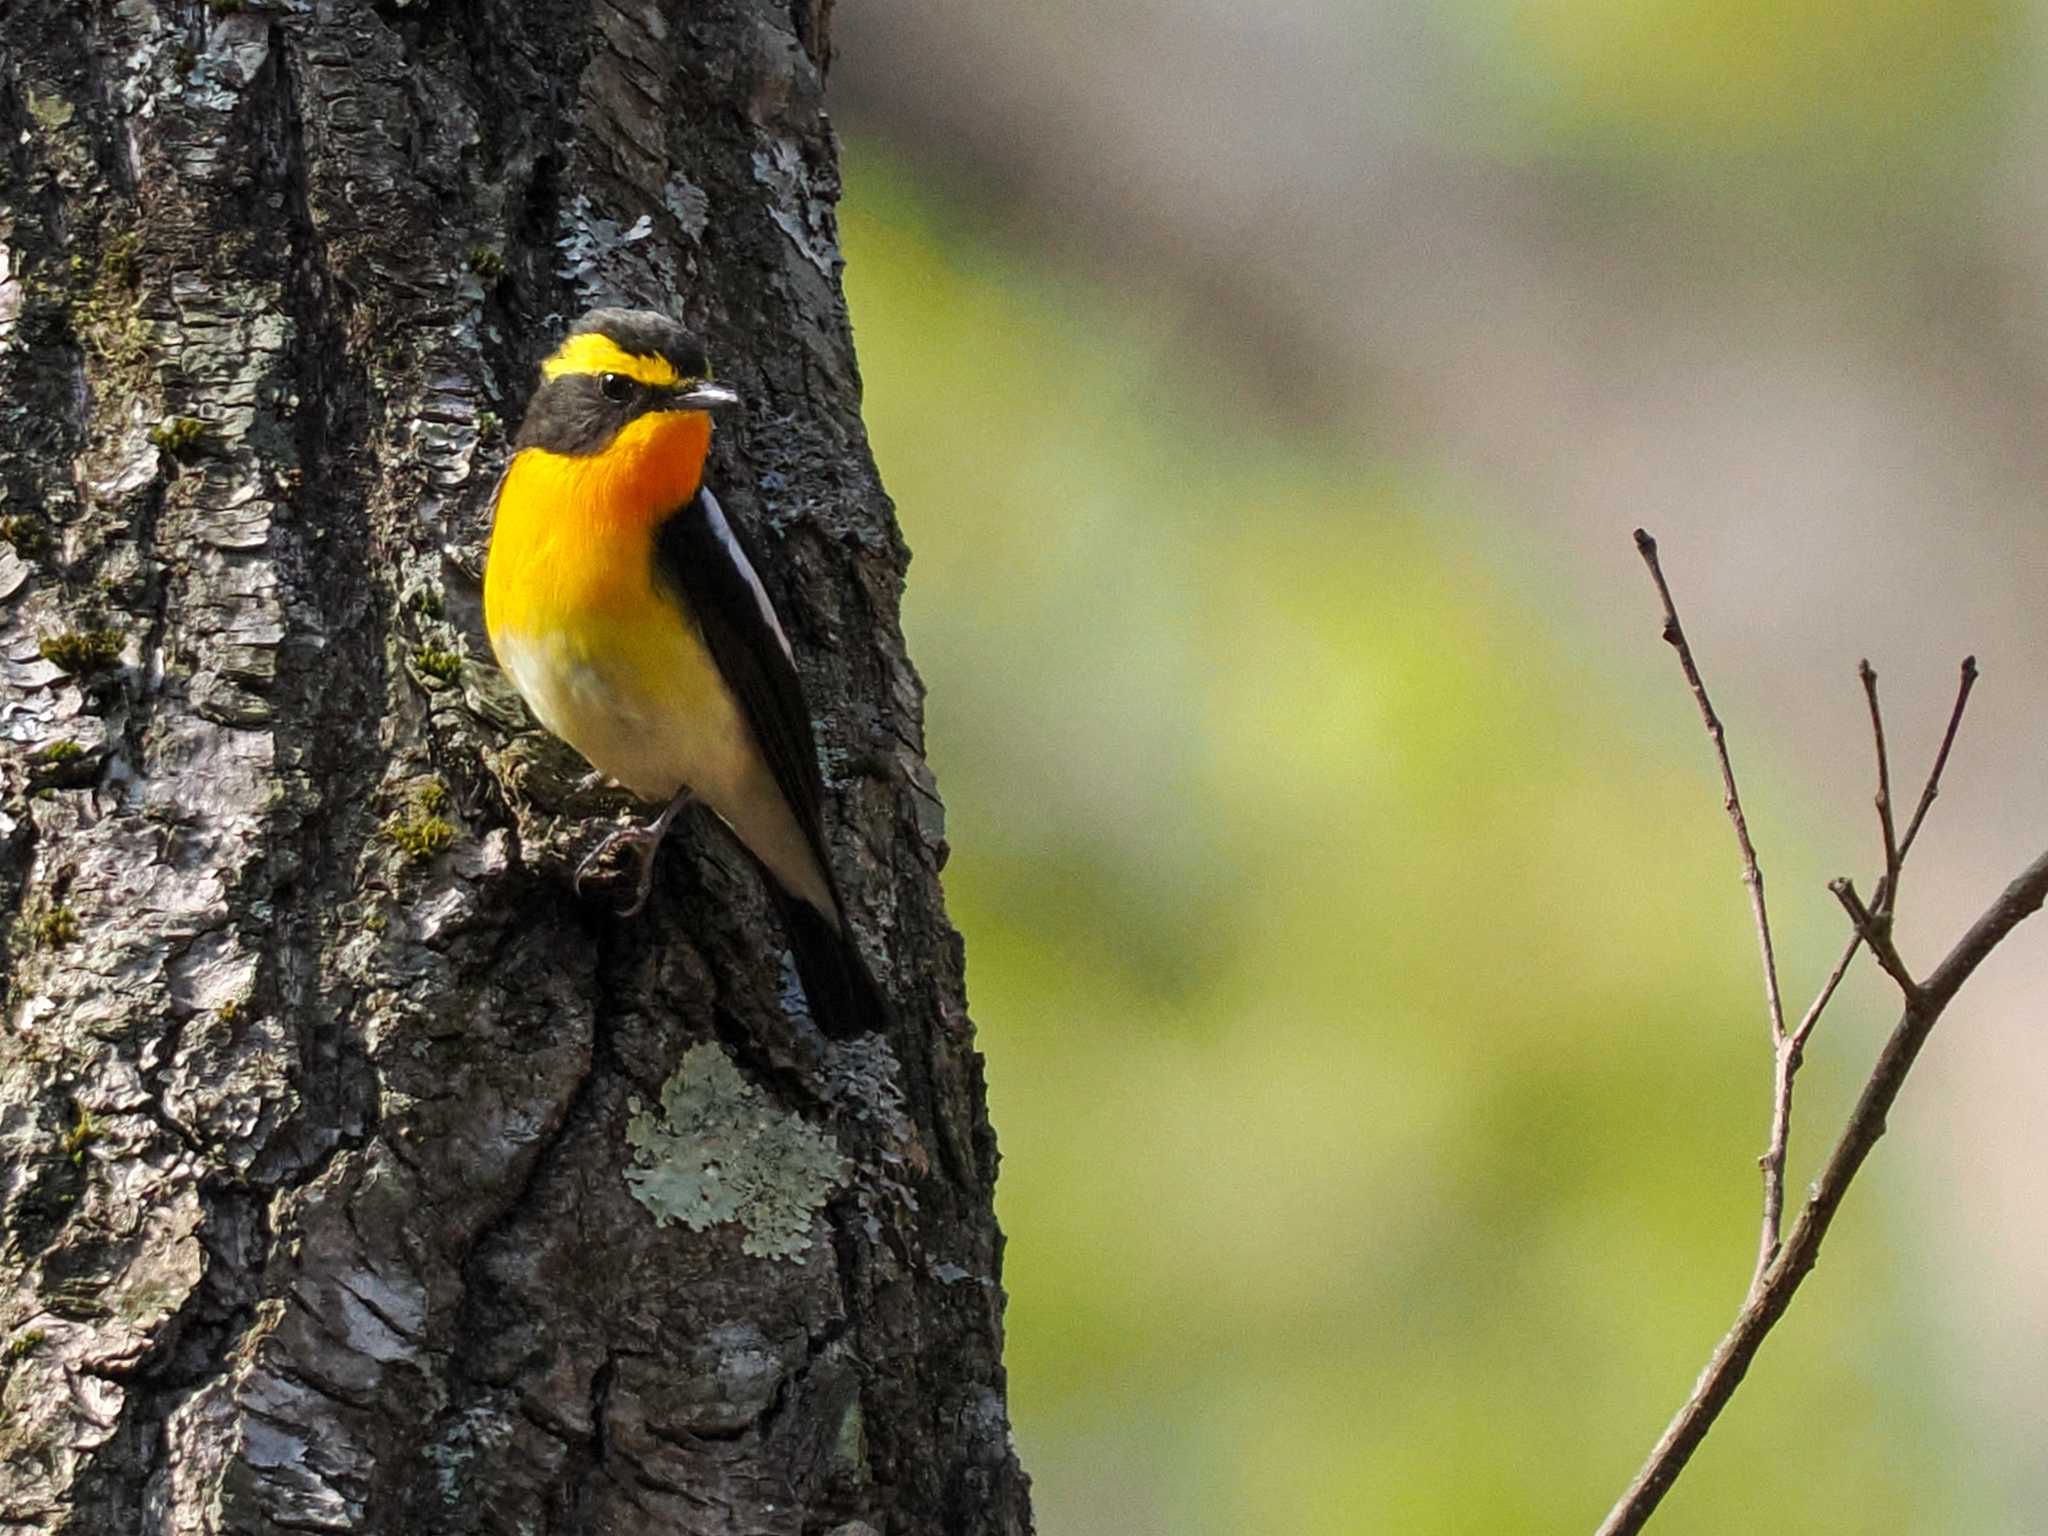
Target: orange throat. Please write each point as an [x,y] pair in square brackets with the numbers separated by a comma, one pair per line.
[572,533]
[652,467]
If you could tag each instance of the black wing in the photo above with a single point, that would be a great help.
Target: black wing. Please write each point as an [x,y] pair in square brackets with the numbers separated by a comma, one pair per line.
[699,555]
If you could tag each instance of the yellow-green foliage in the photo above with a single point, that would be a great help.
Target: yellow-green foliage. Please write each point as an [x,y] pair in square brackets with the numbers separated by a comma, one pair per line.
[442,666]
[178,435]
[120,261]
[28,535]
[25,1343]
[107,319]
[54,929]
[486,263]
[421,831]
[418,835]
[82,652]
[85,1130]
[61,762]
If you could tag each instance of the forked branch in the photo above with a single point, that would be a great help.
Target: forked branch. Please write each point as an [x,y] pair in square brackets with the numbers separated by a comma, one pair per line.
[1782,1266]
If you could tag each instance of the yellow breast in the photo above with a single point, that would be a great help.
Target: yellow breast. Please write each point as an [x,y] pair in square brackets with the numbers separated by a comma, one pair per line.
[575,535]
[600,651]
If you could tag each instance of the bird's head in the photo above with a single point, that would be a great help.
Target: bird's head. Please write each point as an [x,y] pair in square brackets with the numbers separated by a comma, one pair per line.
[623,378]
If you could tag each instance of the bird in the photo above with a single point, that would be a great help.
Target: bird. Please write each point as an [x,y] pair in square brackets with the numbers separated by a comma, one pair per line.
[628,613]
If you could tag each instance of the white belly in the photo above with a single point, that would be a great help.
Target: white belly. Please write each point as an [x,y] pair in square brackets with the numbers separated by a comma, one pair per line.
[655,722]
[654,713]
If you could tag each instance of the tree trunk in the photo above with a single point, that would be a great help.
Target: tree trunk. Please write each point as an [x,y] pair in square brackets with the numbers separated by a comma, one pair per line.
[357,1175]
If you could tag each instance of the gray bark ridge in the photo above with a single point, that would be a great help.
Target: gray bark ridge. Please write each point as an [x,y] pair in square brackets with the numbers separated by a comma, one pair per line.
[355,1175]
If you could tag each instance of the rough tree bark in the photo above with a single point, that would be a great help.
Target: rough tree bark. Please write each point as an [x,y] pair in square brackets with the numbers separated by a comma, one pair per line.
[357,1176]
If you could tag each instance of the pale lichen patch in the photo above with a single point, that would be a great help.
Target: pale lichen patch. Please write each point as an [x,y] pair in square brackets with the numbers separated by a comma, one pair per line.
[475,1433]
[50,111]
[717,1151]
[10,296]
[591,242]
[689,204]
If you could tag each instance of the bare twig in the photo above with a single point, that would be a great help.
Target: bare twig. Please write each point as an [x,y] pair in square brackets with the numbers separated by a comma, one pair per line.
[1826,995]
[1876,929]
[1752,874]
[1784,1062]
[1784,1071]
[1948,739]
[1886,896]
[1781,1267]
[1767,1302]
[1889,890]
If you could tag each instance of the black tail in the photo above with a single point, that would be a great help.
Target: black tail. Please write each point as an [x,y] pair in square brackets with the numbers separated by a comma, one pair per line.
[844,998]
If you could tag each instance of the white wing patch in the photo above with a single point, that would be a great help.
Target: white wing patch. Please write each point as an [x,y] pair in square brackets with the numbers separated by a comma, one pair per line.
[719,526]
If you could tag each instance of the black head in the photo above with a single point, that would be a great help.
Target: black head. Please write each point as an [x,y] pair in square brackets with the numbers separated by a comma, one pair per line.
[614,365]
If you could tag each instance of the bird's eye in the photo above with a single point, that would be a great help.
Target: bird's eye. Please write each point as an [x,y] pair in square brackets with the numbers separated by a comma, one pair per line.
[615,387]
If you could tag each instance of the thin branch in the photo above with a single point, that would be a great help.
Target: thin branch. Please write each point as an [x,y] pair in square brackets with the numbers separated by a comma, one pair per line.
[1785,1069]
[1767,1302]
[1876,929]
[1889,890]
[1752,874]
[1792,1052]
[1886,896]
[1948,739]
[1782,1267]
[1827,992]
[1784,1063]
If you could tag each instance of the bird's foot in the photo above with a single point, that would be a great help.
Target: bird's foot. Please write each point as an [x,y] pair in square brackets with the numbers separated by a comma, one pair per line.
[644,842]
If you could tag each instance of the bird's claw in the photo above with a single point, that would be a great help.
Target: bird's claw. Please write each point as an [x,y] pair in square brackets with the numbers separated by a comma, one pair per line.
[643,841]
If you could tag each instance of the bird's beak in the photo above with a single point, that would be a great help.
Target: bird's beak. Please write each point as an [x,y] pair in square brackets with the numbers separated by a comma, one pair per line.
[706,396]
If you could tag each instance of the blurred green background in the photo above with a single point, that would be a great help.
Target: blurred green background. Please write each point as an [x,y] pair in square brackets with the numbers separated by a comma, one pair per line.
[1374,1032]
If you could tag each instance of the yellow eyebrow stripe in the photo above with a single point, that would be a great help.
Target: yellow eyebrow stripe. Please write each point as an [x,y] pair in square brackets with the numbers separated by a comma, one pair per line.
[595,353]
